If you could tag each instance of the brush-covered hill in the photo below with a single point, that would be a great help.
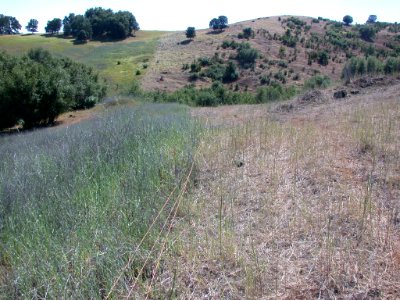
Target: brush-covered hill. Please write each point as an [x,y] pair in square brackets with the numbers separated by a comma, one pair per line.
[290,51]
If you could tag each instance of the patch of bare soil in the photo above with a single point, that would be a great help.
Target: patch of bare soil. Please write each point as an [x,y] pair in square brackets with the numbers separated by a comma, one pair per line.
[293,205]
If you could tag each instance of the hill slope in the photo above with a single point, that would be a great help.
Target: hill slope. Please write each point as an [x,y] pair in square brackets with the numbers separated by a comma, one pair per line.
[117,62]
[290,51]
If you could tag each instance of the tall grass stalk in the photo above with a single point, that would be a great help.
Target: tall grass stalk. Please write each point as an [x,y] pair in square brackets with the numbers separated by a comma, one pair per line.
[75,201]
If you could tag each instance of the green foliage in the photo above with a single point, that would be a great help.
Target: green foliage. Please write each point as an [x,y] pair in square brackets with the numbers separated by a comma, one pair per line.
[367,32]
[288,39]
[36,88]
[247,33]
[323,58]
[53,26]
[265,80]
[296,21]
[215,71]
[348,20]
[217,94]
[373,65]
[195,67]
[231,73]
[190,32]
[219,23]
[392,65]
[230,44]
[9,25]
[358,66]
[75,202]
[246,55]
[317,81]
[274,92]
[32,25]
[82,36]
[372,19]
[100,23]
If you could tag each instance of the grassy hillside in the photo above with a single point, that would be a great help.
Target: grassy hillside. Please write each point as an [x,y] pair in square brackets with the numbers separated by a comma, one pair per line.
[77,202]
[290,48]
[117,62]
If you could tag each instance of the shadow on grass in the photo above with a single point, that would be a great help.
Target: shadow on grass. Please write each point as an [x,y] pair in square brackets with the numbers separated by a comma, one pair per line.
[185,42]
[77,42]
[214,32]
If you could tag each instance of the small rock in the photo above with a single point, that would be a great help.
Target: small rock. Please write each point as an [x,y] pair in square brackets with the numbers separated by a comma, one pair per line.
[354,92]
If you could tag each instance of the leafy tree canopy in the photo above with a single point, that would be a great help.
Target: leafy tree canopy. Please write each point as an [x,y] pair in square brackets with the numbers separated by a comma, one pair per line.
[219,23]
[100,23]
[32,25]
[9,25]
[53,26]
[372,19]
[190,32]
[348,19]
[36,88]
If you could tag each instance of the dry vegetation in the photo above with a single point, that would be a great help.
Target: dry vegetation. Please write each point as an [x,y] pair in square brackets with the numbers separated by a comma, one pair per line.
[292,205]
[166,71]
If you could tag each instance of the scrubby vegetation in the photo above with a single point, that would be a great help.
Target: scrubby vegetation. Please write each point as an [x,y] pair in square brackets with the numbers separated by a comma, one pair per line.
[76,202]
[37,87]
[359,66]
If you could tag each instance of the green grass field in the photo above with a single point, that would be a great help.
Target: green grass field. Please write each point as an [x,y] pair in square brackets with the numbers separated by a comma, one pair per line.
[117,62]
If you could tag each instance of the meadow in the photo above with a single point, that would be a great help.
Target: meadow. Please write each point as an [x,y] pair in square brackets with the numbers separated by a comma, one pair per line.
[77,201]
[117,62]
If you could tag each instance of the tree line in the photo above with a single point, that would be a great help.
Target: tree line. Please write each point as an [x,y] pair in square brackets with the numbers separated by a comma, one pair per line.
[96,23]
[37,87]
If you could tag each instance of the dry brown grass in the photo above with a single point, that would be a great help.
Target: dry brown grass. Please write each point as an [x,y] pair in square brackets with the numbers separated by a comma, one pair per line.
[165,71]
[171,54]
[292,206]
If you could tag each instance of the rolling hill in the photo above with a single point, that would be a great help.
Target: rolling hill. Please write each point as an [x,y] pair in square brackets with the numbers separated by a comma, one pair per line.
[291,51]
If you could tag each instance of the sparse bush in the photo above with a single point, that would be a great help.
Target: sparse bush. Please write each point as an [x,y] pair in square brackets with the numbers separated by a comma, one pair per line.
[247,33]
[392,65]
[231,73]
[323,58]
[230,44]
[317,81]
[367,33]
[274,92]
[246,55]
[195,67]
[265,80]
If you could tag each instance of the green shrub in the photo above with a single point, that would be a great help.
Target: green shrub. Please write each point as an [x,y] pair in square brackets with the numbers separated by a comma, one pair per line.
[195,67]
[265,80]
[247,33]
[323,58]
[246,55]
[367,32]
[274,92]
[37,87]
[231,73]
[230,44]
[317,81]
[392,65]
